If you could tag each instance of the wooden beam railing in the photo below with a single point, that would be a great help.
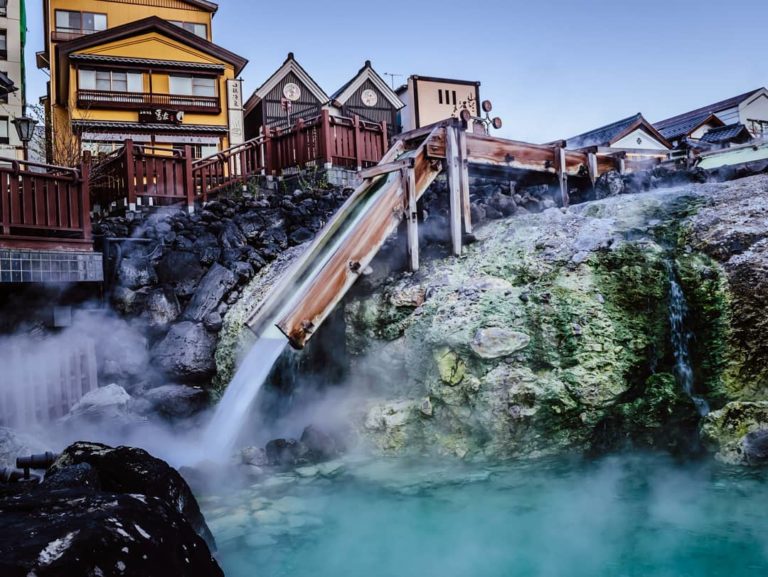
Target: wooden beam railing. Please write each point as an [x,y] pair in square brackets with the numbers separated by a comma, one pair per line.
[44,206]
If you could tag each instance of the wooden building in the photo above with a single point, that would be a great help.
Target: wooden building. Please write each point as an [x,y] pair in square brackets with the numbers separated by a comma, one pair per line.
[144,70]
[634,133]
[288,95]
[749,109]
[368,96]
[428,100]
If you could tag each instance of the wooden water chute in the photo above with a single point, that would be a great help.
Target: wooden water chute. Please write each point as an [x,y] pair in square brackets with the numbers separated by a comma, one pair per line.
[389,194]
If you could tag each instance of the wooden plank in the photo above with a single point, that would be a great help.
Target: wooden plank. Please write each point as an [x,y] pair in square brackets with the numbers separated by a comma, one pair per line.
[466,204]
[454,190]
[386,168]
[412,217]
[562,175]
[592,167]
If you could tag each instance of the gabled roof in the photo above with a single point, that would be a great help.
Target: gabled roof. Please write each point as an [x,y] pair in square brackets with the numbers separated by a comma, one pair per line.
[211,7]
[364,74]
[727,134]
[610,133]
[290,65]
[709,109]
[687,125]
[132,29]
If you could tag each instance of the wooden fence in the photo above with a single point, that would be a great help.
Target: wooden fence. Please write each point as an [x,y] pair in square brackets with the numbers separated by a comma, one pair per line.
[43,206]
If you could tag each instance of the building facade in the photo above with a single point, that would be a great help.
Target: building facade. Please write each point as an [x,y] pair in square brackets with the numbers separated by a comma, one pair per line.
[12,41]
[428,100]
[633,133]
[145,70]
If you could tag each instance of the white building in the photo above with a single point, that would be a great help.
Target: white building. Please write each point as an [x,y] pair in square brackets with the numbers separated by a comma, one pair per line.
[12,65]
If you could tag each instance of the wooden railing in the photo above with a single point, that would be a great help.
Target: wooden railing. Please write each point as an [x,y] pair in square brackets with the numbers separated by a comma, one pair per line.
[143,174]
[43,206]
[141,100]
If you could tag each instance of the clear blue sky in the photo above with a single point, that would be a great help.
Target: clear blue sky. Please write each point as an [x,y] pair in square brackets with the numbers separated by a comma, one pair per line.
[552,68]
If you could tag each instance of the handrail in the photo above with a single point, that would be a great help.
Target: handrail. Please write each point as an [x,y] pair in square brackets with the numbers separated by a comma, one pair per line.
[17,169]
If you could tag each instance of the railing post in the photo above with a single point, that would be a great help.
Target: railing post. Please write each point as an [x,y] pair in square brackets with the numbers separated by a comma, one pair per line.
[266,152]
[325,130]
[130,175]
[189,181]
[85,194]
[5,207]
[358,143]
[300,145]
[384,139]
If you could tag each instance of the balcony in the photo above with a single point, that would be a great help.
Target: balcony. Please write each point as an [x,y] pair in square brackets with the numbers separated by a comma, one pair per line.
[67,34]
[103,99]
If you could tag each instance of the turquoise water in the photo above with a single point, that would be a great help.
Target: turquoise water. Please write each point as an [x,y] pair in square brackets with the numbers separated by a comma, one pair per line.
[621,516]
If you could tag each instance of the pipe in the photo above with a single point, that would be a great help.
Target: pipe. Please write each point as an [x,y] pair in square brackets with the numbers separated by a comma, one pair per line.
[40,462]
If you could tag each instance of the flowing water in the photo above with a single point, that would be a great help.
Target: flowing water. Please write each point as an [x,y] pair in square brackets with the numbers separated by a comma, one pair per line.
[628,516]
[681,340]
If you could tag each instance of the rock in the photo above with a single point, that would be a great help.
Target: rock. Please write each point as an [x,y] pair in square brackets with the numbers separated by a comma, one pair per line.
[181,270]
[426,407]
[450,366]
[736,433]
[162,308]
[213,322]
[320,445]
[178,401]
[214,285]
[104,511]
[286,452]
[243,271]
[754,447]
[129,302]
[103,405]
[494,342]
[187,353]
[136,272]
[609,184]
[254,456]
[300,236]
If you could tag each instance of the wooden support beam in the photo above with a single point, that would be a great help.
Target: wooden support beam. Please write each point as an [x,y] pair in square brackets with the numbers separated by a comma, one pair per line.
[454,186]
[622,166]
[592,167]
[386,168]
[466,204]
[562,175]
[408,177]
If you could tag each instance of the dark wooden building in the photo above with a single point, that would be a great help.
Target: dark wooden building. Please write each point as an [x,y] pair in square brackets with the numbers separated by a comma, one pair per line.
[288,95]
[368,96]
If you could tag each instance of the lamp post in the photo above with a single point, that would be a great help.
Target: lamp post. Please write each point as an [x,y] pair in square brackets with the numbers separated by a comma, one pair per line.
[25,128]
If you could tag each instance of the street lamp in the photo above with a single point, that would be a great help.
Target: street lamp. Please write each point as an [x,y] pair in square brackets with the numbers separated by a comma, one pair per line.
[25,128]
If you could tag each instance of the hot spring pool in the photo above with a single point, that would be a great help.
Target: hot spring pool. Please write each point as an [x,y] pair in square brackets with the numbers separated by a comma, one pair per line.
[641,516]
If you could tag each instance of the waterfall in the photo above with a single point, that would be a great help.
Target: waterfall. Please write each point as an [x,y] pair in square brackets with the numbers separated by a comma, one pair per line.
[681,338]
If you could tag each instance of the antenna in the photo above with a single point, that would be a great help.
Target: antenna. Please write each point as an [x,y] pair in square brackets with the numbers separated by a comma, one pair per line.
[392,78]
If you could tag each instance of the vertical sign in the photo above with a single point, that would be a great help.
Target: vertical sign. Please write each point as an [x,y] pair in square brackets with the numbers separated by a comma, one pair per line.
[235,107]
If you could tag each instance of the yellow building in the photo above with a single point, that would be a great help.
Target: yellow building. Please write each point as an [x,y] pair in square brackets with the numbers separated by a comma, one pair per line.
[140,69]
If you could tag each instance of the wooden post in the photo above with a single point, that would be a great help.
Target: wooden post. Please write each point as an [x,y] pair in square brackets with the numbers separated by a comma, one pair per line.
[358,142]
[454,186]
[408,179]
[384,139]
[592,167]
[562,175]
[622,165]
[325,131]
[85,194]
[266,153]
[300,144]
[130,174]
[464,180]
[189,181]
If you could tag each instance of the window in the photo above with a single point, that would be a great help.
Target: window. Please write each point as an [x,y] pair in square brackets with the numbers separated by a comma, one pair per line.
[4,44]
[4,130]
[198,150]
[192,86]
[80,22]
[444,96]
[200,30]
[4,96]
[111,81]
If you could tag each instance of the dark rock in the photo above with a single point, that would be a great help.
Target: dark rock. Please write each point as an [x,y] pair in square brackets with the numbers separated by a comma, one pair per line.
[129,302]
[212,288]
[320,445]
[300,236]
[232,237]
[73,477]
[254,456]
[286,452]
[187,353]
[755,447]
[181,270]
[162,308]
[136,272]
[504,204]
[232,298]
[206,247]
[213,322]
[178,401]
[609,184]
[243,271]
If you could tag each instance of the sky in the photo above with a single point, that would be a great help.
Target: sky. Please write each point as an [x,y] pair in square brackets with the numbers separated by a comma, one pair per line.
[552,68]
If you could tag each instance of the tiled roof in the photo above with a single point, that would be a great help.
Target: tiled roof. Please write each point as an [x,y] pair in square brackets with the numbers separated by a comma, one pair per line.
[604,135]
[139,127]
[100,58]
[726,133]
[709,109]
[685,125]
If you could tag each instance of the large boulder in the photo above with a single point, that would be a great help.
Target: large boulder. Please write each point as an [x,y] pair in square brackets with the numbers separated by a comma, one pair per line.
[107,512]
[109,404]
[217,282]
[136,272]
[181,270]
[187,353]
[177,401]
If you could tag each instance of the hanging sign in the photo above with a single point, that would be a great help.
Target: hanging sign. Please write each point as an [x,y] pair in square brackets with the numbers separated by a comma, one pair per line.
[161,116]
